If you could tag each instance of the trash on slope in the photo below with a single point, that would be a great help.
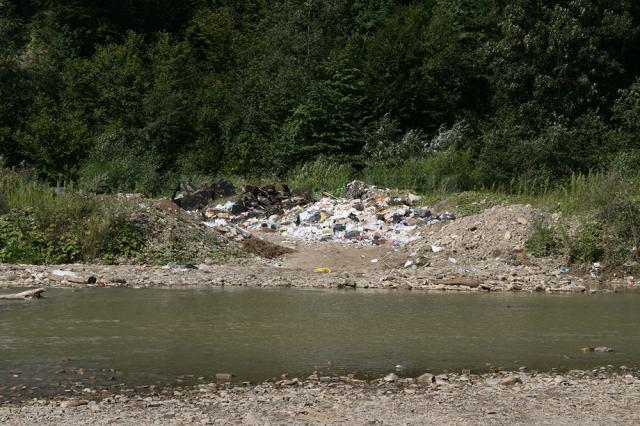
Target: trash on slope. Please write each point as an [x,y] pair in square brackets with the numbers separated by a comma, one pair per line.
[192,197]
[379,217]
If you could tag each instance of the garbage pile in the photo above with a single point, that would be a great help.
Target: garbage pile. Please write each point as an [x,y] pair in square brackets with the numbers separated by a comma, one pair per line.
[196,197]
[256,202]
[367,216]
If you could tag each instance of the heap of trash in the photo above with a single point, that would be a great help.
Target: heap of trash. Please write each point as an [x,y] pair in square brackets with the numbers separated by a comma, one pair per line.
[367,215]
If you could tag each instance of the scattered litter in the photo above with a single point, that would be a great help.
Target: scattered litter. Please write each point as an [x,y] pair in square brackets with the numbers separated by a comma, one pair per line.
[196,197]
[322,270]
[452,260]
[447,216]
[597,349]
[408,263]
[565,270]
[368,216]
[464,270]
[70,276]
[374,260]
[181,267]
[595,269]
[191,197]
[436,249]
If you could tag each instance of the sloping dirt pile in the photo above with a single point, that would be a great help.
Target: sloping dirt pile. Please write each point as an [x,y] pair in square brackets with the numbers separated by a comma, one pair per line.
[161,233]
[499,231]
[264,248]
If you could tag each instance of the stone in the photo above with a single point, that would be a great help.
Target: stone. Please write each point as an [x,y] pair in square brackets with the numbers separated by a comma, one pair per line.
[522,220]
[224,377]
[391,378]
[73,403]
[510,380]
[9,276]
[426,379]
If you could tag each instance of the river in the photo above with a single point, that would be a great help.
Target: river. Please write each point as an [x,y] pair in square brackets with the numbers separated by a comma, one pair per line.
[138,336]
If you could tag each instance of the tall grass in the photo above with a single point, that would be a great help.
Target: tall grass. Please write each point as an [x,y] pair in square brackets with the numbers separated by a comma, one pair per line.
[321,175]
[445,172]
[24,192]
[43,225]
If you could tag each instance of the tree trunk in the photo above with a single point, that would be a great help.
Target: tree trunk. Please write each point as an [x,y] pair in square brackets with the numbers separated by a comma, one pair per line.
[29,294]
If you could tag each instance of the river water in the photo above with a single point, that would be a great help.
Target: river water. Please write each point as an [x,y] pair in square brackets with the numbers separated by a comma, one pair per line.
[157,335]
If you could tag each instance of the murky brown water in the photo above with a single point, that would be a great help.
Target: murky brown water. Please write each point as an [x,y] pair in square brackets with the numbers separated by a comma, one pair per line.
[151,335]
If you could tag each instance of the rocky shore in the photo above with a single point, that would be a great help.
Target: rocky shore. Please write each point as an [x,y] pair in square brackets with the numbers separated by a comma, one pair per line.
[596,396]
[528,278]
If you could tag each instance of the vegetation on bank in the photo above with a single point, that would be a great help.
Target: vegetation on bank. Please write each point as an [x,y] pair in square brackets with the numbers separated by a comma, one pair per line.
[42,225]
[593,217]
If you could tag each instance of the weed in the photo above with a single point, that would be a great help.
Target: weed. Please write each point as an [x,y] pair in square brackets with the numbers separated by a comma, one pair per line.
[544,240]
[320,175]
[587,244]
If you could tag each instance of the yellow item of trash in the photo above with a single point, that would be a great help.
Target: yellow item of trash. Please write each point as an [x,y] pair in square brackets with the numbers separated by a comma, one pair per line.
[322,270]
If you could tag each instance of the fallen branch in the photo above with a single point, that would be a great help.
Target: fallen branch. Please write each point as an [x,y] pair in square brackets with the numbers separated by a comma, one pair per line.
[25,295]
[328,195]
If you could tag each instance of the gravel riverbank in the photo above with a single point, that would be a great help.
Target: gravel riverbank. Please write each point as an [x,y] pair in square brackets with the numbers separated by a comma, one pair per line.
[529,278]
[576,397]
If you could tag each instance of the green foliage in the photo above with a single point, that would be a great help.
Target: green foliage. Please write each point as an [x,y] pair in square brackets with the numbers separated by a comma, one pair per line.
[321,175]
[41,226]
[443,172]
[116,163]
[601,214]
[587,245]
[437,95]
[544,240]
[386,144]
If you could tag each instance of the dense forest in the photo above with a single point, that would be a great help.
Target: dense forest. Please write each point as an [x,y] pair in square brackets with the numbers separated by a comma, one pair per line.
[134,94]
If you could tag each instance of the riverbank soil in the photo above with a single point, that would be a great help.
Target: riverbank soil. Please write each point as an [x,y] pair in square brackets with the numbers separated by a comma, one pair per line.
[508,398]
[474,253]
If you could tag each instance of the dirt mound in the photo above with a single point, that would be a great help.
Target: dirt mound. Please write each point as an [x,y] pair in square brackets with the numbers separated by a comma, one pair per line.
[264,248]
[161,233]
[496,232]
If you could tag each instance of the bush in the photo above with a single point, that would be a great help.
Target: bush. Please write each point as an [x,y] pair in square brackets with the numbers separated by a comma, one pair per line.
[587,244]
[544,240]
[39,225]
[116,164]
[443,172]
[386,144]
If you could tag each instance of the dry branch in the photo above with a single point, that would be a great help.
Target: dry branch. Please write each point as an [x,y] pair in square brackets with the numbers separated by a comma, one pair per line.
[25,295]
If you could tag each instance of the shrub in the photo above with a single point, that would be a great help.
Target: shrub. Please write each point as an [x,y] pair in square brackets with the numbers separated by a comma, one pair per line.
[544,240]
[116,164]
[587,244]
[40,225]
